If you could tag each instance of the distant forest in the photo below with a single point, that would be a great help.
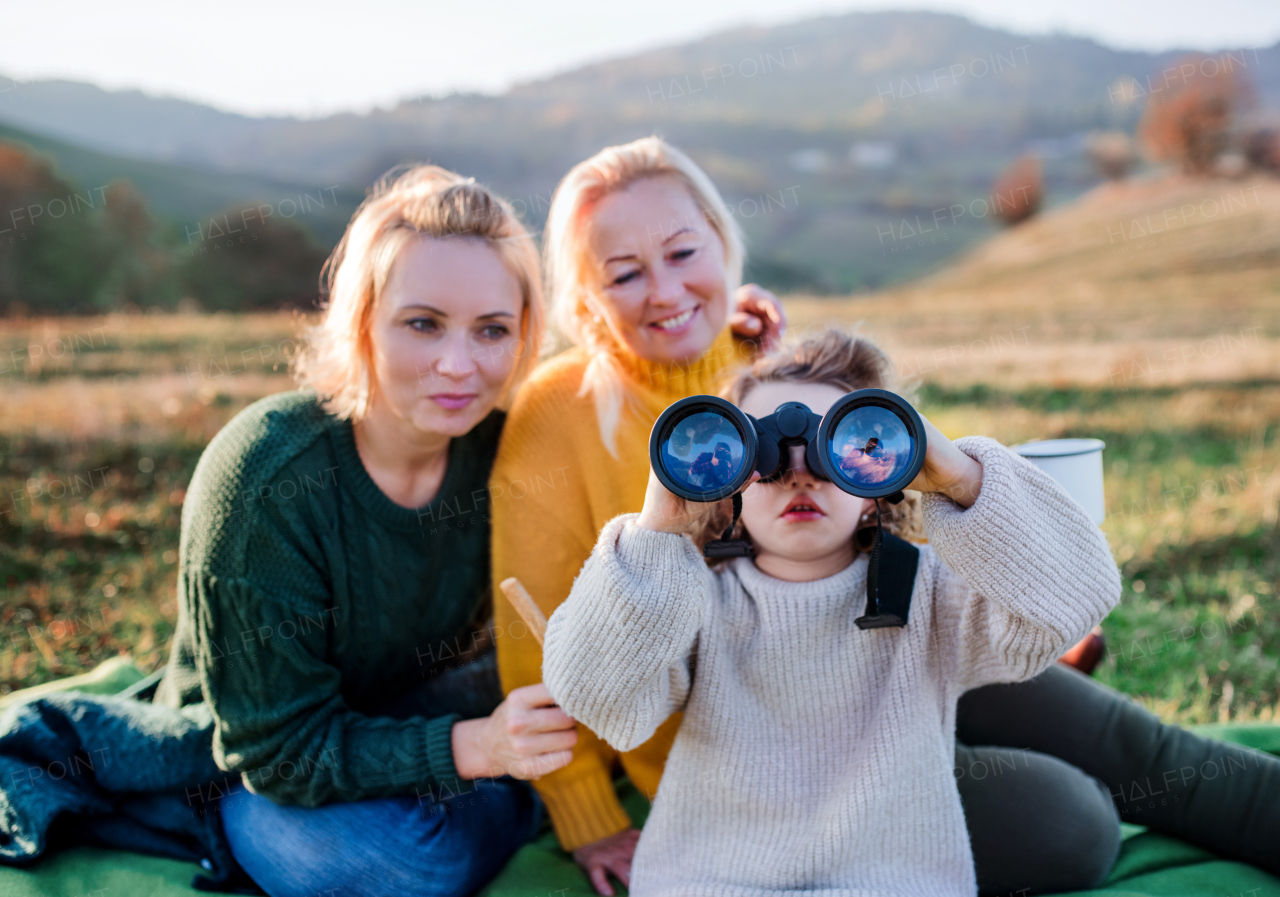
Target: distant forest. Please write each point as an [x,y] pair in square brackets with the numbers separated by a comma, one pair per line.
[67,249]
[857,151]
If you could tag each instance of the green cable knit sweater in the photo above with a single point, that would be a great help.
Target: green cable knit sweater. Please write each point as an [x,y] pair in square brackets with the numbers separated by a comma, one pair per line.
[306,597]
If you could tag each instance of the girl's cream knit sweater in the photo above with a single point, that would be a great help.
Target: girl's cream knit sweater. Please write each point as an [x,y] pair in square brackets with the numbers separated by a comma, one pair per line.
[815,756]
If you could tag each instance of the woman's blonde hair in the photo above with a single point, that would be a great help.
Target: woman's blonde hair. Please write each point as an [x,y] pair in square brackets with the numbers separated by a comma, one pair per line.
[422,201]
[847,362]
[577,310]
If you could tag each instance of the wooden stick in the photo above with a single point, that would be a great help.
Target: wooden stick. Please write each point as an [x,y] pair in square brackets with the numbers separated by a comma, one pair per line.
[522,601]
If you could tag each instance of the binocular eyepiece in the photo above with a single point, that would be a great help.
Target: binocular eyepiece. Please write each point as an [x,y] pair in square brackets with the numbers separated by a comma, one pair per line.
[870,443]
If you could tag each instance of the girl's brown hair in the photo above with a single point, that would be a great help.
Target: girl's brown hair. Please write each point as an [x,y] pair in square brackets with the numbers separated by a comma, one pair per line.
[847,362]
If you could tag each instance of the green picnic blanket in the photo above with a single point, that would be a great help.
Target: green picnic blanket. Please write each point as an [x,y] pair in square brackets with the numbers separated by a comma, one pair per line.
[1149,864]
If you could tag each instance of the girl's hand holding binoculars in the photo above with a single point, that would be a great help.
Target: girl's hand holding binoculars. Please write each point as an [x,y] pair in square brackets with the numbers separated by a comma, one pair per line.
[947,469]
[664,512]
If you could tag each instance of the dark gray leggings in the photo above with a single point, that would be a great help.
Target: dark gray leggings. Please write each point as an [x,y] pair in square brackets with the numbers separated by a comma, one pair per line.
[1063,759]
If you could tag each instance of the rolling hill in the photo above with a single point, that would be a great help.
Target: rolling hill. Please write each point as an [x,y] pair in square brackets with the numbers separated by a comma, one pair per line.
[183,194]
[1160,282]
[859,122]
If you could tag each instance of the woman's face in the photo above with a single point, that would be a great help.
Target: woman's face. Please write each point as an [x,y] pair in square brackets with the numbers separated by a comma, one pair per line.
[445,334]
[659,269]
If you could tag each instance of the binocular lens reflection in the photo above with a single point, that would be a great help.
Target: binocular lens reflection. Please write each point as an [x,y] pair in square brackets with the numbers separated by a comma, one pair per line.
[704,451]
[871,446]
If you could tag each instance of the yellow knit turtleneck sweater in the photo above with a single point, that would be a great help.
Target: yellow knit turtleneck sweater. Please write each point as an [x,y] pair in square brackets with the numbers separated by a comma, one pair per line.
[554,486]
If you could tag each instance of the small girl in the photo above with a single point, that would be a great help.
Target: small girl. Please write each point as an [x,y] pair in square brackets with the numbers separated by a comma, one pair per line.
[814,755]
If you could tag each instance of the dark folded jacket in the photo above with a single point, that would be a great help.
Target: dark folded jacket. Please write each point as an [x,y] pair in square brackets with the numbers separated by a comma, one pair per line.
[118,772]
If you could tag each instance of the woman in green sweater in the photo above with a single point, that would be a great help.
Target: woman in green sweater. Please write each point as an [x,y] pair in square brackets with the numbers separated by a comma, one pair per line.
[334,568]
[334,563]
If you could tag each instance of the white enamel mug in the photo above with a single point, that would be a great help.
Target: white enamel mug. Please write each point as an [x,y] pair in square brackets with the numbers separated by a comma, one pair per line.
[1076,464]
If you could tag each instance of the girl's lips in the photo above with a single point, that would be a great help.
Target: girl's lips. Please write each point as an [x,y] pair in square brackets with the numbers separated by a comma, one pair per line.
[801,508]
[453,401]
[677,323]
[803,515]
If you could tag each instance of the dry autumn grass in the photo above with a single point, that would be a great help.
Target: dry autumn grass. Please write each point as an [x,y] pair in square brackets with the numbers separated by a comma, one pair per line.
[1146,314]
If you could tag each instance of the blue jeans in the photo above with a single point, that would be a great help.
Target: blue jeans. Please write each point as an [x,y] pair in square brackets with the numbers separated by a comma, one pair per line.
[403,846]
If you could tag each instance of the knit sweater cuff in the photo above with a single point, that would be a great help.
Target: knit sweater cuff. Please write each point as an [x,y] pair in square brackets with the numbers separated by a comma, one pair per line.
[645,550]
[1025,543]
[996,501]
[583,810]
[439,738]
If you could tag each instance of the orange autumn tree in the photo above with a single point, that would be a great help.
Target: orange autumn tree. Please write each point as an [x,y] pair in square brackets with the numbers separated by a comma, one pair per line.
[1189,121]
[1018,191]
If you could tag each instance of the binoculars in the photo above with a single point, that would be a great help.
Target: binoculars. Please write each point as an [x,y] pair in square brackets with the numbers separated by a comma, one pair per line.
[870,443]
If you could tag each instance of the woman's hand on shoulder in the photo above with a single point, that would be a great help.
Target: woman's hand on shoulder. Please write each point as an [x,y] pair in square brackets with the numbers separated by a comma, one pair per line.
[527,736]
[947,469]
[758,315]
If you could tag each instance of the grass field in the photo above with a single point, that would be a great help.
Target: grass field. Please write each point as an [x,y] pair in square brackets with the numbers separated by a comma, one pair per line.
[1167,346]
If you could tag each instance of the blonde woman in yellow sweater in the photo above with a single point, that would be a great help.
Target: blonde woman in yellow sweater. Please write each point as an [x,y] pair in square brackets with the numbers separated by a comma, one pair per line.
[643,261]
[646,264]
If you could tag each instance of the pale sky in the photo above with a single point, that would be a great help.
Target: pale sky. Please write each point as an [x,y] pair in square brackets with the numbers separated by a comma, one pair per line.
[313,57]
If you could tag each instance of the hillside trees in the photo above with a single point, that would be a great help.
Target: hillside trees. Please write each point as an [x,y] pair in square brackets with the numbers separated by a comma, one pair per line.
[1189,122]
[51,254]
[67,249]
[1018,191]
[1111,153]
[266,263]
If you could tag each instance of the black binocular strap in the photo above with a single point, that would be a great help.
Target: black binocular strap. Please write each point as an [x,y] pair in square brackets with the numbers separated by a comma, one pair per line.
[891,577]
[727,546]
